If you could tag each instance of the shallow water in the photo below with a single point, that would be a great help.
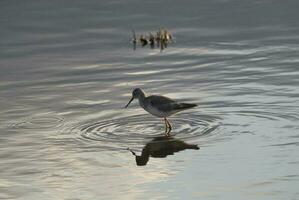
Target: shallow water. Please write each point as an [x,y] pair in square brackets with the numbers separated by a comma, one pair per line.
[68,69]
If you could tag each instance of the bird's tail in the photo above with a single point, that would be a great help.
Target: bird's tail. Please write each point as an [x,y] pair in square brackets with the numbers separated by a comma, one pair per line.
[193,146]
[185,106]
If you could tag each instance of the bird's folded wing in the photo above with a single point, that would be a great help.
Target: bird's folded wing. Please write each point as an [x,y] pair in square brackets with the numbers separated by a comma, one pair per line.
[162,103]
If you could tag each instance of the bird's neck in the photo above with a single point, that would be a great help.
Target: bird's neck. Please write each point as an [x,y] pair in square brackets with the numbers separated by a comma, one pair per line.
[141,99]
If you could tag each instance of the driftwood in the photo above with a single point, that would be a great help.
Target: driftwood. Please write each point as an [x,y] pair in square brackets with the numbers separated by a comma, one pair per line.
[160,39]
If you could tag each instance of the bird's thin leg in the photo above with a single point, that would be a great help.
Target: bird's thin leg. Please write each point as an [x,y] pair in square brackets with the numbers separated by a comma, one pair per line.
[169,127]
[166,126]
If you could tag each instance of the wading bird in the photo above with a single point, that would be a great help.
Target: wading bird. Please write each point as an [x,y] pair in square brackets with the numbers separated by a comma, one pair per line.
[159,106]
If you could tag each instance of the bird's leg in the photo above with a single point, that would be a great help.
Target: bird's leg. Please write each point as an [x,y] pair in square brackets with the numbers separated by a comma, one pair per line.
[166,126]
[169,127]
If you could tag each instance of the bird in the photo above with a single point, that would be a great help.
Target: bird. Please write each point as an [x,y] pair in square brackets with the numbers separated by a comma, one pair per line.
[159,106]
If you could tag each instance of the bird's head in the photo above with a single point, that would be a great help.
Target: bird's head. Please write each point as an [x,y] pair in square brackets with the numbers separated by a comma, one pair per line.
[142,159]
[137,92]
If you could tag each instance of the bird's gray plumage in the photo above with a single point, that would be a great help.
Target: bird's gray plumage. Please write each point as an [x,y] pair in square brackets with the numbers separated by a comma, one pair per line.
[159,106]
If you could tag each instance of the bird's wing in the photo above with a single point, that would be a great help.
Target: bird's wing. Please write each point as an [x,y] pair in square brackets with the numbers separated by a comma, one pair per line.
[161,102]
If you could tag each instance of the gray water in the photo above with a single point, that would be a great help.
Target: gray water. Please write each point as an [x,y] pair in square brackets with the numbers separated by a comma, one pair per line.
[68,69]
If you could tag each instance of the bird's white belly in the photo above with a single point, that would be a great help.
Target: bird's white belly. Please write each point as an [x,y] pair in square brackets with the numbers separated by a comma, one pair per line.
[154,111]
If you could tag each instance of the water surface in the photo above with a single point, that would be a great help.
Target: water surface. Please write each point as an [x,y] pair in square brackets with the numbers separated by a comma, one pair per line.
[68,69]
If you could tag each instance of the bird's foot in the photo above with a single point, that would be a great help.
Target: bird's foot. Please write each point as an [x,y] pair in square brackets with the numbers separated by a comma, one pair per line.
[167,131]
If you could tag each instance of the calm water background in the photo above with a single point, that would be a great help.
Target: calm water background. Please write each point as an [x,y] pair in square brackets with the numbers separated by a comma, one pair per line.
[67,70]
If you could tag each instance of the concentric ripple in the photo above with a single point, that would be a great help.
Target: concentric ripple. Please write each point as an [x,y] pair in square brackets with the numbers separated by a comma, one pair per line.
[37,122]
[138,129]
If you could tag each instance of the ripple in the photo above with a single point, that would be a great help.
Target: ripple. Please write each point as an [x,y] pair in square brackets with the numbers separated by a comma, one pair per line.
[139,129]
[37,122]
[272,116]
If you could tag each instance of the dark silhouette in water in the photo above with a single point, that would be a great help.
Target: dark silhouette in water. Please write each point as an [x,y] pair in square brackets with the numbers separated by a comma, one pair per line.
[161,147]
[161,39]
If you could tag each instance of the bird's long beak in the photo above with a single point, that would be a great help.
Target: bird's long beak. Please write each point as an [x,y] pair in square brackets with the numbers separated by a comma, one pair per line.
[129,102]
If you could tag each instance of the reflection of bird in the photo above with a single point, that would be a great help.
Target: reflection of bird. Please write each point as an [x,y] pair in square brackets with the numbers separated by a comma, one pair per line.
[159,106]
[161,147]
